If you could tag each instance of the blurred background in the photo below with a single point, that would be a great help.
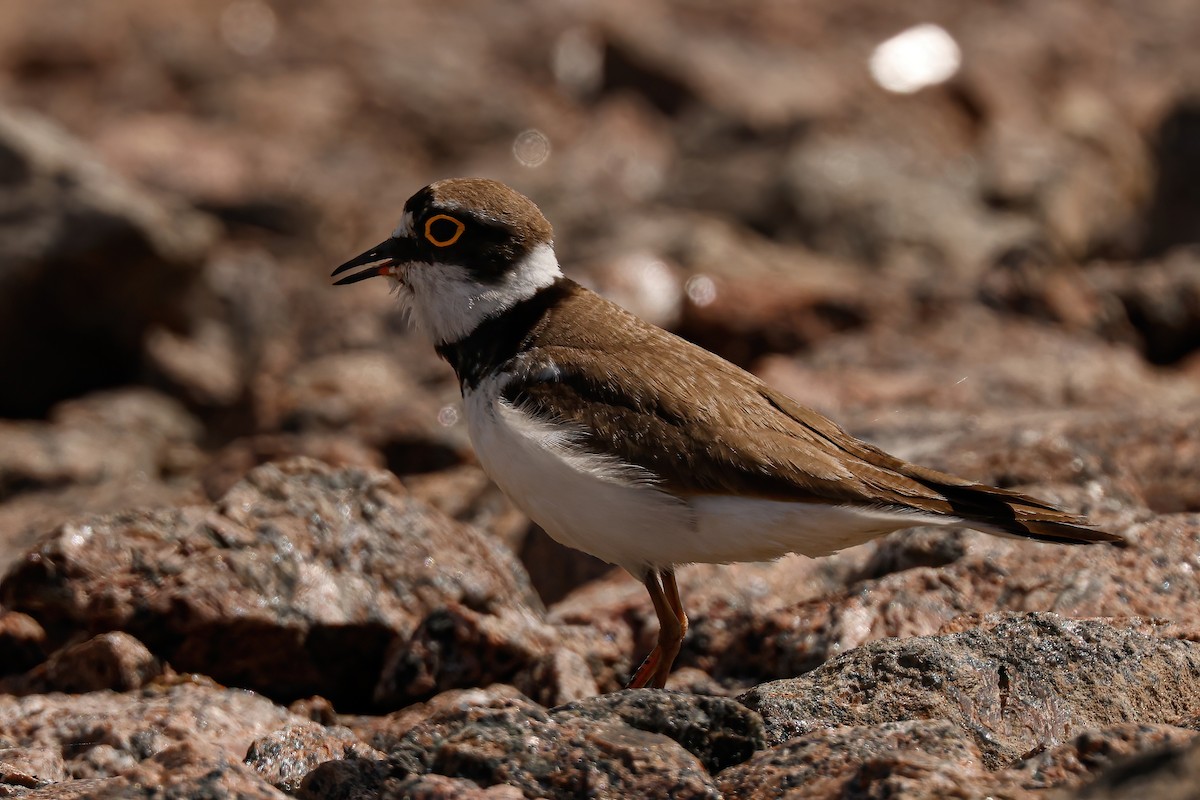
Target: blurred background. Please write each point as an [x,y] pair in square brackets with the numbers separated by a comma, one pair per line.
[933,220]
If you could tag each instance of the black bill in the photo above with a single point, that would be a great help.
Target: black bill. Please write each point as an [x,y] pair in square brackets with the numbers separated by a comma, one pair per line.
[381,258]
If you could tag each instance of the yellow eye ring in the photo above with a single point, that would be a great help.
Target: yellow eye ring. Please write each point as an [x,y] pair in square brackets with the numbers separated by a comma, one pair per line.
[436,242]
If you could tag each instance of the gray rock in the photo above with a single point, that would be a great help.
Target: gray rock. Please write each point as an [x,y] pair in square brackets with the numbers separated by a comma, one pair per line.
[1016,685]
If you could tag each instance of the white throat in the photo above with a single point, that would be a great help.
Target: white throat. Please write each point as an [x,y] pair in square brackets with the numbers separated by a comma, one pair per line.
[446,303]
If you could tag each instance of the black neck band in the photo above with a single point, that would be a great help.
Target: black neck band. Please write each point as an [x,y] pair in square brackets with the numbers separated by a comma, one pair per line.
[495,341]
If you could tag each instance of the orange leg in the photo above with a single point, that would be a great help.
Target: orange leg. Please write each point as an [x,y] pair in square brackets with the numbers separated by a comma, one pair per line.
[672,625]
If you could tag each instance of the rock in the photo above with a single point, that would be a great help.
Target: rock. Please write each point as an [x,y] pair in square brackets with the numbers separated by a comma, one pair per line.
[29,768]
[468,495]
[717,730]
[358,779]
[1030,282]
[457,646]
[284,757]
[1072,764]
[115,661]
[992,575]
[298,581]
[383,733]
[22,641]
[91,263]
[109,450]
[1025,682]
[232,462]
[555,569]
[204,367]
[524,746]
[107,436]
[611,621]
[438,787]
[1168,773]
[912,758]
[959,366]
[106,735]
[182,770]
[372,396]
[1161,300]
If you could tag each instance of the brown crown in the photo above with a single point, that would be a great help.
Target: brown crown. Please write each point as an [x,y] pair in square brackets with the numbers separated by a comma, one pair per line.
[486,200]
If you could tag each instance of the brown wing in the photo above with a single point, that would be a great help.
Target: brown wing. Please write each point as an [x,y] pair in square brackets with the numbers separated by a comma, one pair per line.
[704,426]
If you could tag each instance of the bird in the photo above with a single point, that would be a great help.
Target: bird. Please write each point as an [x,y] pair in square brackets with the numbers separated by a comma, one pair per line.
[634,445]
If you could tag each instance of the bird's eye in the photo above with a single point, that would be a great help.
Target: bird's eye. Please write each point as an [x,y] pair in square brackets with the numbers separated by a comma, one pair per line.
[442,230]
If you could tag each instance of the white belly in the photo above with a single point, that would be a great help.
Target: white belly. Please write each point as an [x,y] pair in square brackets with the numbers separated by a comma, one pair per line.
[588,502]
[614,511]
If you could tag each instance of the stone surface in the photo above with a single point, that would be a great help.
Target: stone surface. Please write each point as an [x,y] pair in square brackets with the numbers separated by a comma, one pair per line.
[90,263]
[1090,755]
[1150,580]
[916,758]
[298,581]
[1020,683]
[1167,773]
[285,756]
[115,661]
[22,641]
[106,735]
[717,730]
[106,451]
[180,770]
[520,744]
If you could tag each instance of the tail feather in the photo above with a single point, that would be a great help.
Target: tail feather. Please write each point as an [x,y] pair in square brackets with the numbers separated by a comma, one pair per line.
[1014,514]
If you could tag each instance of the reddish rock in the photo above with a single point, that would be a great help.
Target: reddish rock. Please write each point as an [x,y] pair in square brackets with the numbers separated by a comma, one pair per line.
[181,770]
[1027,682]
[913,758]
[439,787]
[456,646]
[1161,301]
[90,263]
[29,768]
[383,733]
[1167,773]
[1149,580]
[114,449]
[285,756]
[1078,762]
[104,734]
[22,641]
[375,397]
[232,462]
[297,582]
[115,661]
[523,746]
[719,731]
[611,622]
[468,495]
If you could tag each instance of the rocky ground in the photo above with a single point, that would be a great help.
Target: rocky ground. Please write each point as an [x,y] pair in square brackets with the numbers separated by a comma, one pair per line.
[248,551]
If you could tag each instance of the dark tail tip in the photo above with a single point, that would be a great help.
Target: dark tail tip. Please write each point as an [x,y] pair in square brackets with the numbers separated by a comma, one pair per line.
[1067,533]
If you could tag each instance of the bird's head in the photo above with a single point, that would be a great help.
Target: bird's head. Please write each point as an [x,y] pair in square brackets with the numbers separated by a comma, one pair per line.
[465,250]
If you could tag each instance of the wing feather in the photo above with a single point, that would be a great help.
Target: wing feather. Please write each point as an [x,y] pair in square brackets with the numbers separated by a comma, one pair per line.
[703,426]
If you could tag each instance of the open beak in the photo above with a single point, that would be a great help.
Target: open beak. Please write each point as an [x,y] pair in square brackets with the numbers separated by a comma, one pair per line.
[382,258]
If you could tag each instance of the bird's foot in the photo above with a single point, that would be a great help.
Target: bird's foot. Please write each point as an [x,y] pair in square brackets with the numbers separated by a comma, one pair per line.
[648,672]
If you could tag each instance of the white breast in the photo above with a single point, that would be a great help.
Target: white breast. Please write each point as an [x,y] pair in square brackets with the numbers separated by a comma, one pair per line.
[586,501]
[614,511]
